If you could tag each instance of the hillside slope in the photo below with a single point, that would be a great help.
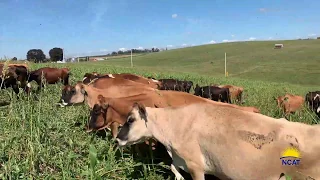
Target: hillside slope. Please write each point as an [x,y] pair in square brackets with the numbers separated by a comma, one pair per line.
[297,63]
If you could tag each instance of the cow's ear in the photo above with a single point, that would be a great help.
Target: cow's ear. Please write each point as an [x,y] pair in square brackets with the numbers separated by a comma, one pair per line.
[141,109]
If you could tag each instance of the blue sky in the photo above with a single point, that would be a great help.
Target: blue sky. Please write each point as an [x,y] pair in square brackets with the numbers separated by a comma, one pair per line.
[87,27]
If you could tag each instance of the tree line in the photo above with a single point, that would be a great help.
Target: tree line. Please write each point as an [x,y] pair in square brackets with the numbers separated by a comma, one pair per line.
[135,51]
[56,54]
[37,55]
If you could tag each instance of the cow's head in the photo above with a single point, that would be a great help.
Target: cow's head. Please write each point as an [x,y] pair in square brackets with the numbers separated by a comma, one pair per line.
[73,94]
[98,115]
[88,77]
[135,129]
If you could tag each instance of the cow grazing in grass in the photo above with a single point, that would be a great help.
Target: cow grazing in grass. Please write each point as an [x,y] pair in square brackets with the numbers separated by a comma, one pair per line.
[114,111]
[214,93]
[49,75]
[88,77]
[226,142]
[14,76]
[313,101]
[290,103]
[236,92]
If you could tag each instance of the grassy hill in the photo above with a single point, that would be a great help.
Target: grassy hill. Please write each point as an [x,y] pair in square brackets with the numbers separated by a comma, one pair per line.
[297,63]
[41,141]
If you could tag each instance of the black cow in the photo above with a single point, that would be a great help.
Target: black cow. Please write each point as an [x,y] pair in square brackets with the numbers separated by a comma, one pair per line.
[313,101]
[14,76]
[88,77]
[175,85]
[213,92]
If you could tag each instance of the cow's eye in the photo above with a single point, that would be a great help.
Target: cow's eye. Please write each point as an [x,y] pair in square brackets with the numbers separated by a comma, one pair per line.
[130,120]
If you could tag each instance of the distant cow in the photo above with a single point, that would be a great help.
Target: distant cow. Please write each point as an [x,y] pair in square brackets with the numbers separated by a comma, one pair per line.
[235,92]
[14,76]
[50,75]
[174,85]
[213,92]
[290,103]
[313,101]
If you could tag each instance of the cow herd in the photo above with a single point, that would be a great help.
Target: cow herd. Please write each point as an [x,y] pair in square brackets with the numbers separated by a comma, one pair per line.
[207,132]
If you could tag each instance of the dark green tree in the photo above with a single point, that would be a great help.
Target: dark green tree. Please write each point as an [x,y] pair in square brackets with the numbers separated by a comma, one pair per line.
[56,54]
[36,55]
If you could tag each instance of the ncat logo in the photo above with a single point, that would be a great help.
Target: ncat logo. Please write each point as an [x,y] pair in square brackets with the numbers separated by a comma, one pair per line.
[290,157]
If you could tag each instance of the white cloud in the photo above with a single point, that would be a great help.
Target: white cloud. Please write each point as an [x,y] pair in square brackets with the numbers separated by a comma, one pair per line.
[184,45]
[270,38]
[263,10]
[122,49]
[103,50]
[140,48]
[252,38]
[174,16]
[310,35]
[212,42]
[232,35]
[225,40]
[192,44]
[169,45]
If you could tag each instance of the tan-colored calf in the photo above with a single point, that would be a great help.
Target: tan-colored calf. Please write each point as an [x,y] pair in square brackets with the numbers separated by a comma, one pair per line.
[290,103]
[226,142]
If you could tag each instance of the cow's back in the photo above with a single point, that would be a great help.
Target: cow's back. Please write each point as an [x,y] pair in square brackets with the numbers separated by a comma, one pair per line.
[103,83]
[227,135]
[136,78]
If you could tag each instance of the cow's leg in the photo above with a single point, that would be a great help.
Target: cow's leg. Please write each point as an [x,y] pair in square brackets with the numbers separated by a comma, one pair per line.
[15,89]
[114,129]
[195,172]
[40,85]
[66,80]
[176,172]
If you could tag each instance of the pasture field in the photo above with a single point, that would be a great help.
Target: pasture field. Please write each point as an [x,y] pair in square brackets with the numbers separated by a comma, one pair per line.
[296,63]
[39,140]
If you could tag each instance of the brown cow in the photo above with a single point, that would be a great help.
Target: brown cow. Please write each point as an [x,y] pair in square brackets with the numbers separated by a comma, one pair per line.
[88,77]
[12,75]
[235,92]
[50,75]
[116,109]
[16,64]
[290,103]
[109,87]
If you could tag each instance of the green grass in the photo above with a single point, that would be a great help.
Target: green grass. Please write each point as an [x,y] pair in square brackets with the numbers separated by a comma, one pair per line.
[41,141]
[296,63]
